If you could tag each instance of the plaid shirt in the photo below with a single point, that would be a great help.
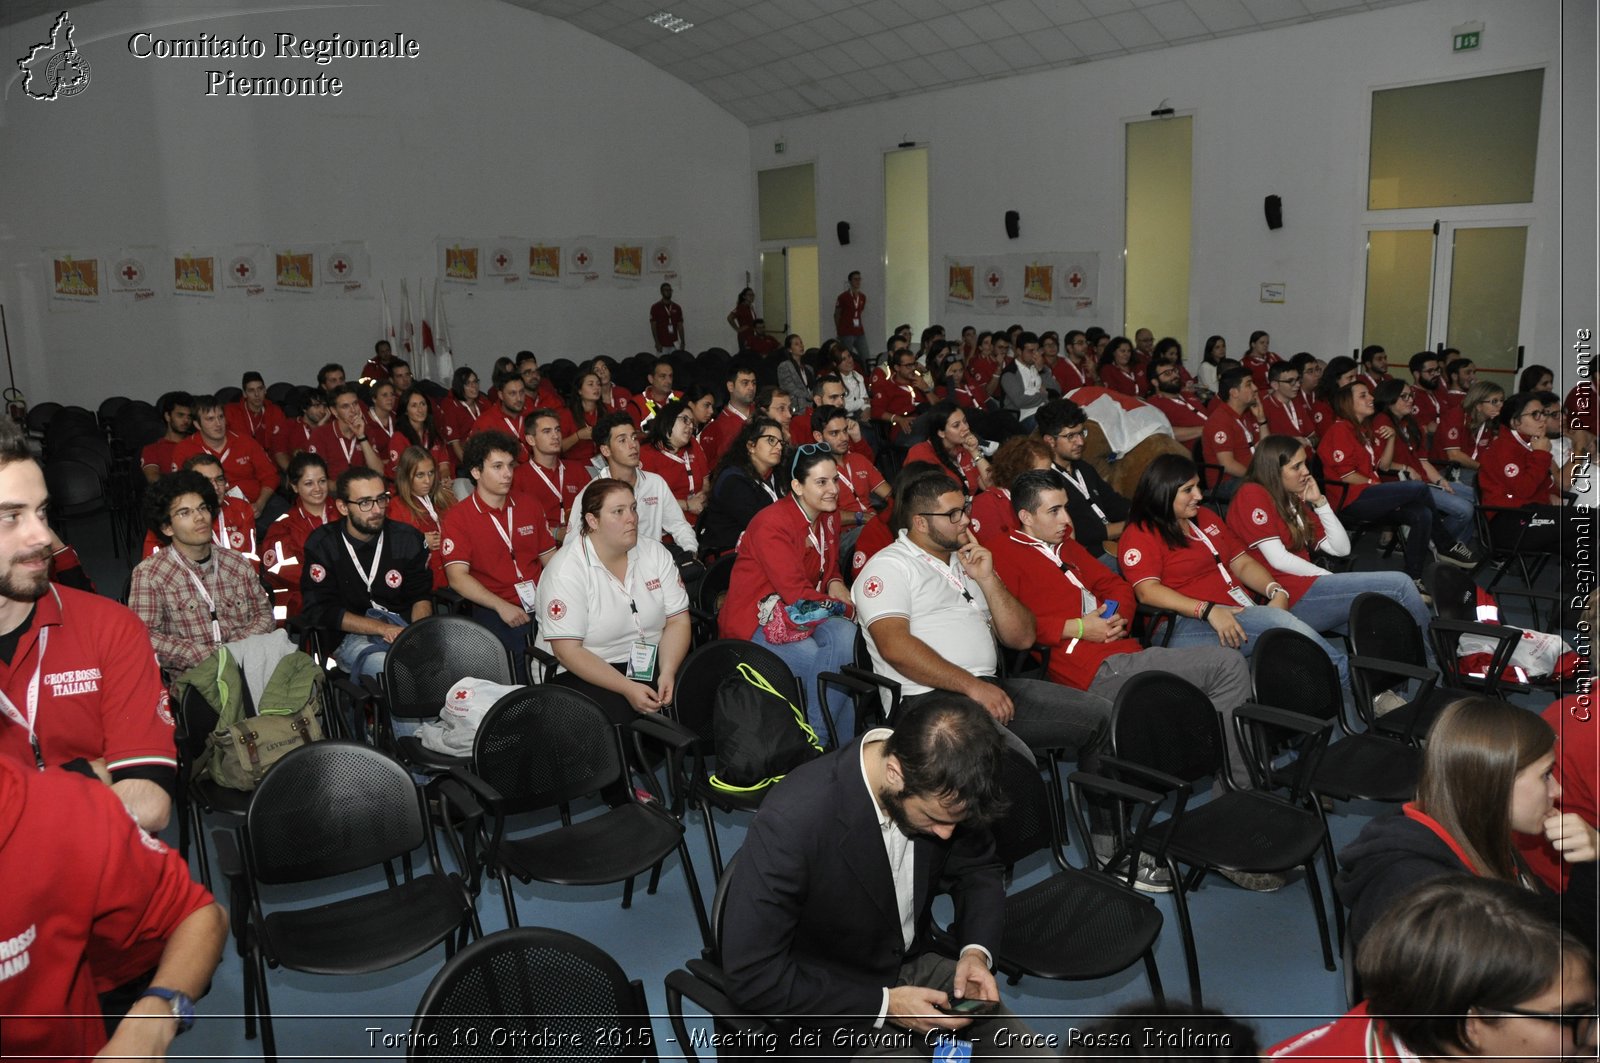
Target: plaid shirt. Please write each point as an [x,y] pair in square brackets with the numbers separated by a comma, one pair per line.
[164,594]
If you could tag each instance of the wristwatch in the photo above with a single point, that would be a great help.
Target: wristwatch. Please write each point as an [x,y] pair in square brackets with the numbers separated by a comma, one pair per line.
[182,1006]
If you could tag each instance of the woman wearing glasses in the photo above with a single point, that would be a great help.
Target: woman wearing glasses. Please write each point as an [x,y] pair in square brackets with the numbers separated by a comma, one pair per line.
[790,555]
[460,410]
[1465,430]
[743,484]
[1516,473]
[673,453]
[1463,968]
[1397,409]
[1486,773]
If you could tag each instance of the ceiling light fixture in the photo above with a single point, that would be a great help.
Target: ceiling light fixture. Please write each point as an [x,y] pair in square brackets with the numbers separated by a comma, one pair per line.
[670,22]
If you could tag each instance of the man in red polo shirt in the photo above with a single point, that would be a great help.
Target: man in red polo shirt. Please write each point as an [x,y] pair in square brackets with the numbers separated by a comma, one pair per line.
[379,365]
[1374,366]
[849,312]
[80,681]
[294,435]
[828,392]
[716,436]
[1428,391]
[1231,432]
[898,398]
[1288,413]
[177,410]
[537,391]
[861,486]
[247,465]
[349,437]
[253,416]
[656,395]
[666,323]
[496,544]
[548,478]
[1185,413]
[506,416]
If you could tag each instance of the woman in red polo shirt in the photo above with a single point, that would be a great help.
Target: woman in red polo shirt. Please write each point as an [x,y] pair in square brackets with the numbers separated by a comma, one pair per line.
[790,554]
[1352,453]
[578,418]
[672,452]
[1118,372]
[1396,403]
[415,428]
[421,497]
[286,537]
[950,443]
[992,515]
[1515,473]
[460,409]
[1466,429]
[613,396]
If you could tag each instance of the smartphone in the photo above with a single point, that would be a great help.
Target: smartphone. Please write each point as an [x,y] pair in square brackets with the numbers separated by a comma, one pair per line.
[970,1007]
[1110,610]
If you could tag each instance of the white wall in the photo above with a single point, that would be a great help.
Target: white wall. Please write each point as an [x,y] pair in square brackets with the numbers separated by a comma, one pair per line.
[509,123]
[1283,111]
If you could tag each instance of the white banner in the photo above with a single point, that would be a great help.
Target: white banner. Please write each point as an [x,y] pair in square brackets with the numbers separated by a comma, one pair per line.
[1048,283]
[248,272]
[132,279]
[346,271]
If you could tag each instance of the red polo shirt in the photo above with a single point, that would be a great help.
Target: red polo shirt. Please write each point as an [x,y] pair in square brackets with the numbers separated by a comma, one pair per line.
[1129,381]
[477,535]
[246,464]
[1512,473]
[666,323]
[781,553]
[496,419]
[801,432]
[553,489]
[1226,430]
[262,427]
[858,478]
[1292,418]
[723,429]
[1191,569]
[1344,450]
[456,418]
[1181,410]
[329,443]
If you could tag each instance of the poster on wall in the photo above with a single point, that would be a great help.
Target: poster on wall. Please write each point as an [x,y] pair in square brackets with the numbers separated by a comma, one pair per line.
[131,280]
[459,261]
[1080,281]
[246,276]
[294,270]
[627,262]
[502,263]
[346,271]
[582,262]
[1049,283]
[195,274]
[958,291]
[74,279]
[544,261]
[662,261]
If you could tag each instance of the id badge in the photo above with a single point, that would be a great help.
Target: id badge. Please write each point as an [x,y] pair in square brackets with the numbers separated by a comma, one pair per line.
[528,595]
[642,662]
[1240,596]
[950,1048]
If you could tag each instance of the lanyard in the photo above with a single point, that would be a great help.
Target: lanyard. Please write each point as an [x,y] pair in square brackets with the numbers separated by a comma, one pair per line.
[687,461]
[33,701]
[219,534]
[205,596]
[1081,482]
[388,429]
[427,504]
[845,482]
[1477,440]
[222,459]
[817,536]
[1288,407]
[559,488]
[349,451]
[315,522]
[1089,602]
[516,432]
[1227,576]
[505,533]
[367,574]
[251,420]
[947,571]
[1248,429]
[768,489]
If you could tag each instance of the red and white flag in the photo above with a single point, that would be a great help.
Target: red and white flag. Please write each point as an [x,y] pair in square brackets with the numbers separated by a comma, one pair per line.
[425,333]
[444,358]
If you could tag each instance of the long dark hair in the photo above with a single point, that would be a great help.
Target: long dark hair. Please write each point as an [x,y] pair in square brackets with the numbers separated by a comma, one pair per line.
[659,431]
[938,417]
[403,420]
[1336,368]
[1210,349]
[580,417]
[1157,491]
[1344,407]
[1388,393]
[737,456]
[458,383]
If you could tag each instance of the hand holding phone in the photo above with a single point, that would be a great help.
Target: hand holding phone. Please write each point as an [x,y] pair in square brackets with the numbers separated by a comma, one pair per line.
[969,1007]
[1110,609]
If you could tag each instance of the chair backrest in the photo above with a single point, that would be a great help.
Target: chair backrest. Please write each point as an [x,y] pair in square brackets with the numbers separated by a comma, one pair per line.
[433,655]
[1292,672]
[1381,627]
[714,584]
[72,483]
[330,808]
[1455,593]
[229,394]
[38,418]
[540,746]
[695,694]
[108,409]
[280,392]
[1028,825]
[83,450]
[1162,722]
[531,993]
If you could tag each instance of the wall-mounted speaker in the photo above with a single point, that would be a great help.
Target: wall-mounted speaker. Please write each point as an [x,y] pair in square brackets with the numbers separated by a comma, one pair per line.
[1013,224]
[843,229]
[1273,205]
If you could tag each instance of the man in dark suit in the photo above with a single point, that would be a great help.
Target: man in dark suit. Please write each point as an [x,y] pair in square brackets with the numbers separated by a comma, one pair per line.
[827,914]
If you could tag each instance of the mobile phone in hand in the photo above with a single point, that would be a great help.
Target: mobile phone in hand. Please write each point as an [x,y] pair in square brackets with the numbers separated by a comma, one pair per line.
[1110,610]
[969,1007]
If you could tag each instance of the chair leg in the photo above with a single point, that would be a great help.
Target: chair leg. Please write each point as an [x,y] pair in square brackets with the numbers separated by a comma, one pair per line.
[627,893]
[655,880]
[269,1043]
[249,998]
[1154,974]
[507,896]
[711,840]
[1315,889]
[1191,956]
[695,898]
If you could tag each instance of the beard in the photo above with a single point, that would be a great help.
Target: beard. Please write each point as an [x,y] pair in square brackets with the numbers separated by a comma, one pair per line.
[25,586]
[1169,387]
[895,805]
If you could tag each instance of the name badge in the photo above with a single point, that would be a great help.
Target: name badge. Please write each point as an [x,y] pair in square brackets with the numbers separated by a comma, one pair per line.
[642,662]
[950,1048]
[528,595]
[1241,596]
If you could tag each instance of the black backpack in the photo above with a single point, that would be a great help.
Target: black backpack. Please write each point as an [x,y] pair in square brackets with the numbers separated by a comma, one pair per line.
[760,735]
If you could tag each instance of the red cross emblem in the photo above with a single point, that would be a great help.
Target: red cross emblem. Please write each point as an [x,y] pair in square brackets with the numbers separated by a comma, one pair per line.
[236,538]
[130,274]
[582,258]
[557,609]
[1075,279]
[661,258]
[1130,558]
[340,265]
[318,573]
[501,260]
[392,578]
[243,269]
[873,588]
[1259,516]
[463,695]
[993,279]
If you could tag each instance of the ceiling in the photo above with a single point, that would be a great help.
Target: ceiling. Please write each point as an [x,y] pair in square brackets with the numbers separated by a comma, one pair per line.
[764,60]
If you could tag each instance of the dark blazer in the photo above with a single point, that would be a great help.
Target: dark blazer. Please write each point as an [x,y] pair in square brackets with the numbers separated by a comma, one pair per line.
[810,926]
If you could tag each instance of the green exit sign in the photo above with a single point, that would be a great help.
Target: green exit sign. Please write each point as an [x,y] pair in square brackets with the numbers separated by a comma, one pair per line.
[1465,42]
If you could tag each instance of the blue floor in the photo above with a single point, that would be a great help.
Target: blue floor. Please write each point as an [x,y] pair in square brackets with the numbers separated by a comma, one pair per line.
[1259,953]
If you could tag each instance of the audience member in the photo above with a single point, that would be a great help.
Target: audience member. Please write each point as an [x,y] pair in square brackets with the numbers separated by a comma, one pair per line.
[736,412]
[579,416]
[349,437]
[1231,432]
[1396,405]
[1025,385]
[548,477]
[1288,412]
[285,543]
[861,486]
[992,516]
[1119,372]
[415,428]
[1258,359]
[1374,366]
[672,453]
[1516,473]
[660,516]
[421,497]
[1186,413]
[899,397]
[1211,356]
[744,483]
[460,410]
[246,464]
[253,416]
[506,416]
[1340,372]
[177,413]
[378,366]
[1098,513]
[659,392]
[295,437]
[1428,394]
[950,443]
[1469,426]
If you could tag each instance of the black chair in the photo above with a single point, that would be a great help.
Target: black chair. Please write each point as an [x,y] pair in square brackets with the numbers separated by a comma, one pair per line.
[229,394]
[77,493]
[532,993]
[107,411]
[1389,651]
[38,418]
[541,748]
[1077,924]
[693,703]
[326,810]
[1168,738]
[135,426]
[706,607]
[1505,550]
[280,392]
[195,797]
[1455,597]
[1292,673]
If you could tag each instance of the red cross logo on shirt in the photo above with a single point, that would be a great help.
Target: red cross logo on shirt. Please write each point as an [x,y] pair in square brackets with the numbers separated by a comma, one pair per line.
[873,588]
[1130,558]
[557,609]
[392,578]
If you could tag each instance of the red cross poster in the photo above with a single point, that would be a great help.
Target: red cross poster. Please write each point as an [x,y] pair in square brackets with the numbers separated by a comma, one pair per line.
[345,271]
[1049,283]
[74,278]
[583,261]
[544,261]
[194,274]
[131,280]
[502,263]
[294,270]
[247,273]
[460,261]
[661,258]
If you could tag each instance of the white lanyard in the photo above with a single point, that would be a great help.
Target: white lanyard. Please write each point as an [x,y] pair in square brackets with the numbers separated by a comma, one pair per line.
[1248,430]
[948,572]
[768,489]
[1081,482]
[559,487]
[205,596]
[349,451]
[1236,592]
[687,461]
[817,536]
[1288,408]
[1477,440]
[626,592]
[470,407]
[251,420]
[1088,599]
[367,574]
[388,429]
[516,432]
[222,459]
[33,701]
[844,482]
[427,504]
[219,534]
[505,536]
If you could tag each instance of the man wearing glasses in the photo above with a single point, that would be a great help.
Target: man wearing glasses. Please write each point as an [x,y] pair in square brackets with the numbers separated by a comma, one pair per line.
[365,576]
[899,398]
[1427,391]
[1098,512]
[192,597]
[1288,412]
[1184,412]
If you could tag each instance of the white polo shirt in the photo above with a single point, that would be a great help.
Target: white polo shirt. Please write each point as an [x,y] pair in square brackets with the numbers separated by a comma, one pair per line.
[659,512]
[902,579]
[580,599]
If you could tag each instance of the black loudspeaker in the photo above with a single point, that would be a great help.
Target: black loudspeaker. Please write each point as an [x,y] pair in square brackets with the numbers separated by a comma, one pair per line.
[1273,205]
[1013,224]
[843,229]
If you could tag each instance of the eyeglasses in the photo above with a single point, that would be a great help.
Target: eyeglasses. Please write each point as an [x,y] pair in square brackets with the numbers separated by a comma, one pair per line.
[1540,414]
[1076,433]
[189,511]
[954,516]
[1579,1023]
[765,438]
[365,504]
[1408,395]
[807,448]
[1287,380]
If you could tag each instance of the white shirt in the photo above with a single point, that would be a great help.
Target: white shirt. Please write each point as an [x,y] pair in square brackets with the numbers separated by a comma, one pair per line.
[904,580]
[659,512]
[855,393]
[580,599]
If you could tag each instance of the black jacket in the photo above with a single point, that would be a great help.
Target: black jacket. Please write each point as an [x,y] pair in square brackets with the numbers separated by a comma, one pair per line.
[330,586]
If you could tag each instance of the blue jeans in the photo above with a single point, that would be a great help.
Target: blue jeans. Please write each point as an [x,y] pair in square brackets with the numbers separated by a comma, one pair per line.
[1455,510]
[1257,619]
[1409,502]
[1326,606]
[363,656]
[832,645]
[514,639]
